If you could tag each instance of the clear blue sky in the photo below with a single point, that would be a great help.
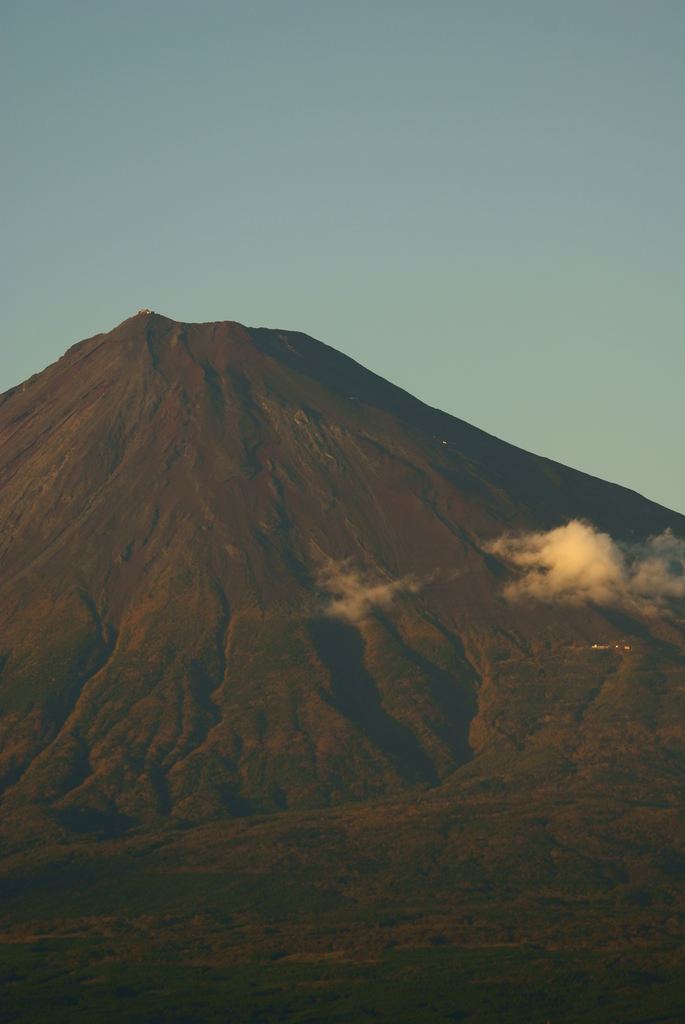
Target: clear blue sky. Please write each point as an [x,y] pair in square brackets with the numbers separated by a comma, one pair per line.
[481,201]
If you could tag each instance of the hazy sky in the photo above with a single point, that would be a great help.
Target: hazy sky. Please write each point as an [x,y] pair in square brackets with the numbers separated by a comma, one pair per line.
[483,202]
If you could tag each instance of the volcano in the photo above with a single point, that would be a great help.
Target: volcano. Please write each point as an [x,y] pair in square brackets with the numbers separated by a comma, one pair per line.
[245,580]
[175,498]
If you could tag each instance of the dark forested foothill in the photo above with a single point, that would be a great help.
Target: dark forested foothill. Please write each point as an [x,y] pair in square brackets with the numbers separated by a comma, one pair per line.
[279,737]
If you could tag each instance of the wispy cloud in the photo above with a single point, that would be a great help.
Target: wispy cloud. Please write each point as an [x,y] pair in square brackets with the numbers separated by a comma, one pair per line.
[576,564]
[350,595]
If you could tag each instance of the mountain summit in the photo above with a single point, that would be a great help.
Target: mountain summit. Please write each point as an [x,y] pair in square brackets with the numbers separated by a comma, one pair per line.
[241,574]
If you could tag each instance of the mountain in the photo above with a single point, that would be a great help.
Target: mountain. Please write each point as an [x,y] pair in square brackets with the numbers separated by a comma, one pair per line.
[173,496]
[262,648]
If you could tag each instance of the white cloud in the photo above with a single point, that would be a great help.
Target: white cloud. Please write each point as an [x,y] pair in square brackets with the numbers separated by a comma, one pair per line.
[351,596]
[576,564]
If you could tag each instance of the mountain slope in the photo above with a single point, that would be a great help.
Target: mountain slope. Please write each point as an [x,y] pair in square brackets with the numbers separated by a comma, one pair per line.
[180,503]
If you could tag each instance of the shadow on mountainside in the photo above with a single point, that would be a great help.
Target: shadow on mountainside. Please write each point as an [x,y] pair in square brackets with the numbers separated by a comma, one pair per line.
[455,697]
[91,821]
[341,649]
